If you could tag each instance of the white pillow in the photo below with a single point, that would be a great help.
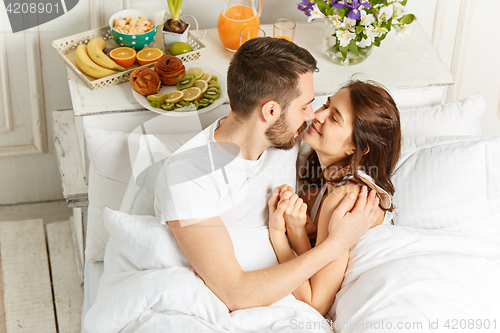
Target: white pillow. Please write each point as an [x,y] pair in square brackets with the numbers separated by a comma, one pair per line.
[110,178]
[452,119]
[450,182]
[143,241]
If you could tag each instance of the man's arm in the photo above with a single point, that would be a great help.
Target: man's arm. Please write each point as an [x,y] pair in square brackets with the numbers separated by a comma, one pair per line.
[209,249]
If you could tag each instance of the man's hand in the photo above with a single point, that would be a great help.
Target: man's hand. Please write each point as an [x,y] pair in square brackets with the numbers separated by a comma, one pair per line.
[348,224]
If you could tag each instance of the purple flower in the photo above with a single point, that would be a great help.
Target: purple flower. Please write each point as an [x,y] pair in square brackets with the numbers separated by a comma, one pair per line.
[338,3]
[306,6]
[354,12]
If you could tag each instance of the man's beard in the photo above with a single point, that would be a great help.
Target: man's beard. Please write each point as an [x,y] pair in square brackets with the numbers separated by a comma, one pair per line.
[278,136]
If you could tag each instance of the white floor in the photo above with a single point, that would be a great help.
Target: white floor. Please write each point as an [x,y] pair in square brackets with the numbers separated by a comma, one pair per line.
[40,288]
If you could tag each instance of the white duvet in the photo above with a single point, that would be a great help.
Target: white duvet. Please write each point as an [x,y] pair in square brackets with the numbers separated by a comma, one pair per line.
[399,279]
[404,279]
[148,286]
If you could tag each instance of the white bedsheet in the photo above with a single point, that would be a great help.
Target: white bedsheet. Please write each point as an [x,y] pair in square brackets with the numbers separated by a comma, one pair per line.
[417,280]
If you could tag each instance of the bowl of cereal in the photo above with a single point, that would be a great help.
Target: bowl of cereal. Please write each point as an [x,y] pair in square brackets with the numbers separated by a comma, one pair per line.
[133,28]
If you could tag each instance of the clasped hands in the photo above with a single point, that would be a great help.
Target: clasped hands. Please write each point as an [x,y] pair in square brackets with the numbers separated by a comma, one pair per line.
[287,211]
[355,214]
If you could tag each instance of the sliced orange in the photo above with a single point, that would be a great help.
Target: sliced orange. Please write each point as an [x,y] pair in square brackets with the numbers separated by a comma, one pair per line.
[123,56]
[203,85]
[190,94]
[147,56]
[174,96]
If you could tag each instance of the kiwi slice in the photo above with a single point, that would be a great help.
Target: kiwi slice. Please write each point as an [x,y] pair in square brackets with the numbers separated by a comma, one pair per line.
[214,78]
[185,82]
[211,94]
[157,97]
[185,106]
[205,101]
[155,104]
[214,89]
[167,106]
[214,84]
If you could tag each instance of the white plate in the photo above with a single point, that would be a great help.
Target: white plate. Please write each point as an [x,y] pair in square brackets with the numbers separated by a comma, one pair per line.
[165,89]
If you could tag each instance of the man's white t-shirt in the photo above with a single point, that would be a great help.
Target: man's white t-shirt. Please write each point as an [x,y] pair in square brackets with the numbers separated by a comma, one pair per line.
[203,180]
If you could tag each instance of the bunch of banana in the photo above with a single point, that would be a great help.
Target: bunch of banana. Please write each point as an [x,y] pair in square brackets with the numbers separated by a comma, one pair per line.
[93,61]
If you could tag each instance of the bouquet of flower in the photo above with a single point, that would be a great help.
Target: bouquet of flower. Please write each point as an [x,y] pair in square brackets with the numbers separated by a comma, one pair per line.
[359,23]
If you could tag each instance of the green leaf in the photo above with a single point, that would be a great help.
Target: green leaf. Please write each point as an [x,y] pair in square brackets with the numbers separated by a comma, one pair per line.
[404,2]
[331,11]
[343,12]
[353,47]
[323,7]
[407,19]
[343,50]
[359,29]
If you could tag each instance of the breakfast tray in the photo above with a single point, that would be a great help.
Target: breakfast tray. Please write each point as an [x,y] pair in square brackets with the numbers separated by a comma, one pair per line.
[66,48]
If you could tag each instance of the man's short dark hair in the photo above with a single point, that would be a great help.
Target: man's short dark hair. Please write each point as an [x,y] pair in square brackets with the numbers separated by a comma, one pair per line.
[266,69]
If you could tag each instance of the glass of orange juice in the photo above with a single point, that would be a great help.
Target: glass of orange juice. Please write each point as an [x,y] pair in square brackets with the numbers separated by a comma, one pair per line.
[284,28]
[250,33]
[237,15]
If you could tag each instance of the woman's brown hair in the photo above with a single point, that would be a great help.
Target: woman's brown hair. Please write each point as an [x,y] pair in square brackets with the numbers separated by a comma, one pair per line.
[376,128]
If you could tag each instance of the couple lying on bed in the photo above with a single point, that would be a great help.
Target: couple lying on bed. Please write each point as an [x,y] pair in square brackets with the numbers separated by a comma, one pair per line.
[252,152]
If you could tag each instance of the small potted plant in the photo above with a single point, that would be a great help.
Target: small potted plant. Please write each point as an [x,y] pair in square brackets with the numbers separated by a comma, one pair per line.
[174,29]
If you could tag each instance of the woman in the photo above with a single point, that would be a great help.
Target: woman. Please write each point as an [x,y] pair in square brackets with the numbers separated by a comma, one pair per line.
[356,139]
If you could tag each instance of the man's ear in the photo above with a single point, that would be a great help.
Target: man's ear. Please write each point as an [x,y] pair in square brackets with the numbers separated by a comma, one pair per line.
[271,111]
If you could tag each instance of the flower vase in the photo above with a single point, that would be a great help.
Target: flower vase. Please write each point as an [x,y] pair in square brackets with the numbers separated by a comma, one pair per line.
[332,49]
[171,37]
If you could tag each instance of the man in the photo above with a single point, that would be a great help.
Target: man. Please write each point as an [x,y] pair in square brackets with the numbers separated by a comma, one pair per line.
[206,198]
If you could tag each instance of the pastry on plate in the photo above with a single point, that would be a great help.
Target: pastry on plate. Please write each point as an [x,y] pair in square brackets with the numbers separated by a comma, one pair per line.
[145,81]
[170,69]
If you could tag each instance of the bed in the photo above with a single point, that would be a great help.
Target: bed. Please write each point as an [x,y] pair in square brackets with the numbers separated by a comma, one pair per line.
[435,269]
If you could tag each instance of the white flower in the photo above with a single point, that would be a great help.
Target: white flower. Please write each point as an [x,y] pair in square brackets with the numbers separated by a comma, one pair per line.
[366,19]
[385,13]
[399,10]
[371,33]
[401,32]
[349,23]
[344,37]
[382,30]
[336,21]
[315,13]
[363,43]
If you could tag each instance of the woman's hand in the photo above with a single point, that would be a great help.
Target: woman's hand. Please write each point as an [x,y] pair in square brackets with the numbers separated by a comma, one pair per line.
[296,212]
[277,208]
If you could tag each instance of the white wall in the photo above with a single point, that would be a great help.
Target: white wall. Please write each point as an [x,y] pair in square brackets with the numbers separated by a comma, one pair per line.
[464,34]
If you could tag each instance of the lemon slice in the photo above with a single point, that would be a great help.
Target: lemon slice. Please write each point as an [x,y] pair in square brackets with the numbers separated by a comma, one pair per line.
[190,94]
[203,85]
[197,72]
[206,77]
[174,96]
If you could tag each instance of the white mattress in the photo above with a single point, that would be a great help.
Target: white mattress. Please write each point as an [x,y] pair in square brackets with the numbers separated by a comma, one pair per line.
[92,275]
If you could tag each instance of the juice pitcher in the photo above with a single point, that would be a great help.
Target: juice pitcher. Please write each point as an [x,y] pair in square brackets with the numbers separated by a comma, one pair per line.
[236,15]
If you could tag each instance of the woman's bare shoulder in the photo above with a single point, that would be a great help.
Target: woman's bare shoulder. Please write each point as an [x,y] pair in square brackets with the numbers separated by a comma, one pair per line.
[335,196]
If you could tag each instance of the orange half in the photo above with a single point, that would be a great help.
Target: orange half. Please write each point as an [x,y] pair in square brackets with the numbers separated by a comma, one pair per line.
[123,56]
[147,56]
